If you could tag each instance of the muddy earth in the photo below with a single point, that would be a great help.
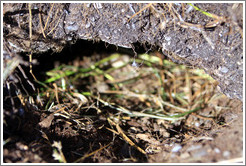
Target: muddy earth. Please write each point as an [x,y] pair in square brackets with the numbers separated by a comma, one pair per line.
[53,123]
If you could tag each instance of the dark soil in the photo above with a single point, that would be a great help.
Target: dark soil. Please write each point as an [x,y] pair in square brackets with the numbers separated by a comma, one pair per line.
[104,113]
[186,36]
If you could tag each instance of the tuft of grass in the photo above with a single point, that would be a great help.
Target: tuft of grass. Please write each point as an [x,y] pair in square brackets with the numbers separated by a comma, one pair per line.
[179,88]
[66,70]
[202,11]
[112,89]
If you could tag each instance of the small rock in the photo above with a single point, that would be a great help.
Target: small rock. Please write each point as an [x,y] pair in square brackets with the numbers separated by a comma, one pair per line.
[176,148]
[226,154]
[216,150]
[224,69]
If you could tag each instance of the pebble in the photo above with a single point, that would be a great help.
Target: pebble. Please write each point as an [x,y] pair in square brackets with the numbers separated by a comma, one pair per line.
[88,25]
[197,124]
[224,70]
[226,153]
[216,150]
[72,28]
[176,148]
[167,38]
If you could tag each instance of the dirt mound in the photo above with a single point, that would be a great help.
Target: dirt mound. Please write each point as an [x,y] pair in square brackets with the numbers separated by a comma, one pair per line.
[108,107]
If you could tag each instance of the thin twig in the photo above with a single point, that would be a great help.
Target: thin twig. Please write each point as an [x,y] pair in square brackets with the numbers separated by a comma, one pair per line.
[90,154]
[47,20]
[147,6]
[40,22]
[55,25]
[30,21]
